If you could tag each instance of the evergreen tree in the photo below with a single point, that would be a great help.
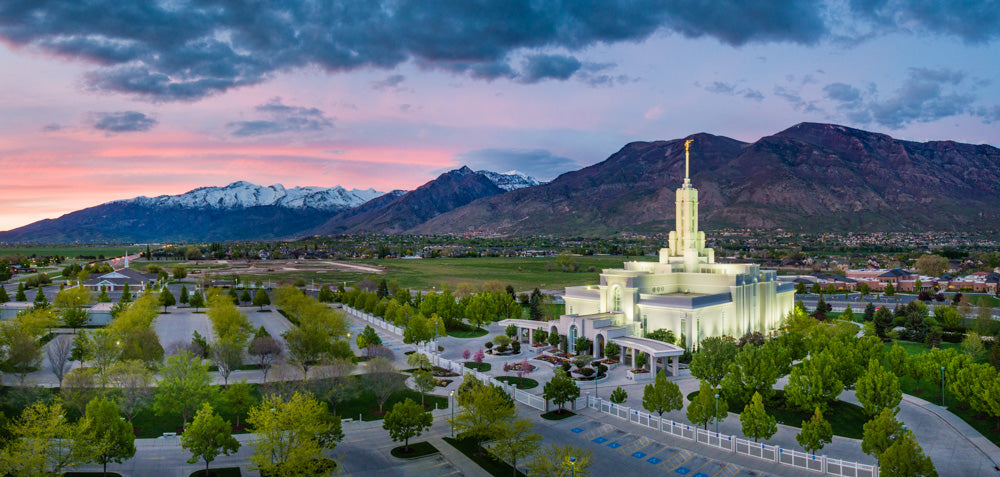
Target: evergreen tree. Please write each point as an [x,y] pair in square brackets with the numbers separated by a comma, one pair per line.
[821,309]
[197,300]
[702,410]
[4,298]
[20,293]
[878,389]
[815,433]
[662,395]
[126,294]
[883,322]
[245,296]
[103,297]
[869,312]
[184,297]
[40,300]
[261,299]
[166,299]
[756,423]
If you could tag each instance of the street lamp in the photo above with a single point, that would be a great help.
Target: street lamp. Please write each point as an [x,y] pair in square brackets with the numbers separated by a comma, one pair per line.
[717,413]
[452,394]
[942,386]
[572,464]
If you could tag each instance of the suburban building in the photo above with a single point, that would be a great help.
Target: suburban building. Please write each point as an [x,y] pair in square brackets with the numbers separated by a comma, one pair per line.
[117,279]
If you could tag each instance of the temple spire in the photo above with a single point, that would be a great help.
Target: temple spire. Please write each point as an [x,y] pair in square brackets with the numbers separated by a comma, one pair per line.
[687,161]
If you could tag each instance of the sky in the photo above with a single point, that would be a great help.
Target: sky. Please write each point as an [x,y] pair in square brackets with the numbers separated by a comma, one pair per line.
[103,99]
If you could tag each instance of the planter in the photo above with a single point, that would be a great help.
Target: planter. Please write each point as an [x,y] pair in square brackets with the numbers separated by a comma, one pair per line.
[639,377]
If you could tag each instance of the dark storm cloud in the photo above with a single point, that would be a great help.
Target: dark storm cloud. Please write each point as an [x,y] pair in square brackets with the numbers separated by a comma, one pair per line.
[124,121]
[926,95]
[972,21]
[538,163]
[184,51]
[281,118]
[390,82]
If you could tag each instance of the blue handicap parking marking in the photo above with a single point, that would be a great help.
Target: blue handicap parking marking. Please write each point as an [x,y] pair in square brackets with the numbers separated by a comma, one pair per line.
[601,440]
[576,430]
[699,474]
[682,470]
[654,460]
[638,455]
[614,445]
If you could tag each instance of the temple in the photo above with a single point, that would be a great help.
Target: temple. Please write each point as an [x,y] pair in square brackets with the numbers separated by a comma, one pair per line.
[685,291]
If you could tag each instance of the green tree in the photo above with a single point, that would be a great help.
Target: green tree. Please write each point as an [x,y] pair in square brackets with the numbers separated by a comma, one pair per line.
[905,458]
[755,369]
[36,442]
[167,299]
[705,408]
[800,288]
[814,383]
[184,297]
[407,419]
[40,300]
[20,295]
[880,432]
[238,399]
[103,435]
[889,289]
[560,461]
[560,389]
[368,339]
[618,395]
[261,299]
[931,265]
[662,395]
[245,296]
[425,382]
[711,362]
[514,440]
[483,409]
[208,436]
[878,389]
[103,297]
[869,312]
[755,421]
[126,294]
[197,300]
[228,323]
[815,433]
[4,298]
[292,435]
[132,379]
[865,290]
[184,386]
[554,339]
[80,351]
[227,355]
[416,331]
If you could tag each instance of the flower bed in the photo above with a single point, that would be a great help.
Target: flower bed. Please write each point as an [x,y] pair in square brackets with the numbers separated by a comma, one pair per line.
[442,383]
[554,360]
[639,375]
[439,372]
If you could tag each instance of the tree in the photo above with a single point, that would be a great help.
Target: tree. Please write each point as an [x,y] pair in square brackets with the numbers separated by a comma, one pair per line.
[261,299]
[880,432]
[482,409]
[931,265]
[20,295]
[619,396]
[662,395]
[208,436]
[973,347]
[878,389]
[197,300]
[132,379]
[184,298]
[554,339]
[515,439]
[4,297]
[126,294]
[755,369]
[180,272]
[238,398]
[24,352]
[865,290]
[184,385]
[416,331]
[407,419]
[815,433]
[702,409]
[37,440]
[382,380]
[228,323]
[142,344]
[815,383]
[425,382]
[265,350]
[103,435]
[74,318]
[560,389]
[560,461]
[756,423]
[368,339]
[889,289]
[81,345]
[711,362]
[292,434]
[58,352]
[906,458]
[800,288]
[227,355]
[245,296]
[166,299]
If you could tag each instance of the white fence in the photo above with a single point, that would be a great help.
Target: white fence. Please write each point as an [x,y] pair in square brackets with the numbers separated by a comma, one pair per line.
[735,444]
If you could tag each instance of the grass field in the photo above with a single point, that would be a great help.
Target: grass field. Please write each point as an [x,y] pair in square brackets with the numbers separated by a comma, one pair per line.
[490,464]
[67,250]
[919,348]
[522,273]
[846,419]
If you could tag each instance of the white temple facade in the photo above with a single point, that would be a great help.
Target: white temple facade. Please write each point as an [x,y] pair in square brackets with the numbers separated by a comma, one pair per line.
[685,291]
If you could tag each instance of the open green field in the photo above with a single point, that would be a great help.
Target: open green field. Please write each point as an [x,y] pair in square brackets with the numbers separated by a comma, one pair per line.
[67,250]
[522,273]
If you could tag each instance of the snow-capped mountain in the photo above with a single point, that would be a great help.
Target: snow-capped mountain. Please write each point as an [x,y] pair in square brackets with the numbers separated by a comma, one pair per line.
[510,180]
[243,195]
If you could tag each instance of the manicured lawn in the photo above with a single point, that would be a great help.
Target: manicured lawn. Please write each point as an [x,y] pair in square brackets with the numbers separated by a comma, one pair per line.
[919,348]
[221,472]
[481,367]
[90,474]
[845,418]
[476,333]
[558,415]
[478,455]
[365,404]
[986,425]
[417,449]
[521,383]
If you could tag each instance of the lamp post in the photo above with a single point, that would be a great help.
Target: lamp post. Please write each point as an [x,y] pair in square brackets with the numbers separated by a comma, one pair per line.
[716,413]
[942,386]
[572,465]
[452,394]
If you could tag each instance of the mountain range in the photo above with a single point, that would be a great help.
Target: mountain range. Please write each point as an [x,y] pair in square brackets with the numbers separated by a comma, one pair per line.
[810,177]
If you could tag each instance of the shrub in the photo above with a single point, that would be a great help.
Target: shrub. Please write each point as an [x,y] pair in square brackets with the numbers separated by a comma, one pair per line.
[587,372]
[466,354]
[515,346]
[489,345]
[478,357]
[566,366]
[601,368]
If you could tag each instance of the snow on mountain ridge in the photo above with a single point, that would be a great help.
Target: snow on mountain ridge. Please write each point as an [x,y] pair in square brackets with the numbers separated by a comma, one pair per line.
[510,180]
[242,194]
